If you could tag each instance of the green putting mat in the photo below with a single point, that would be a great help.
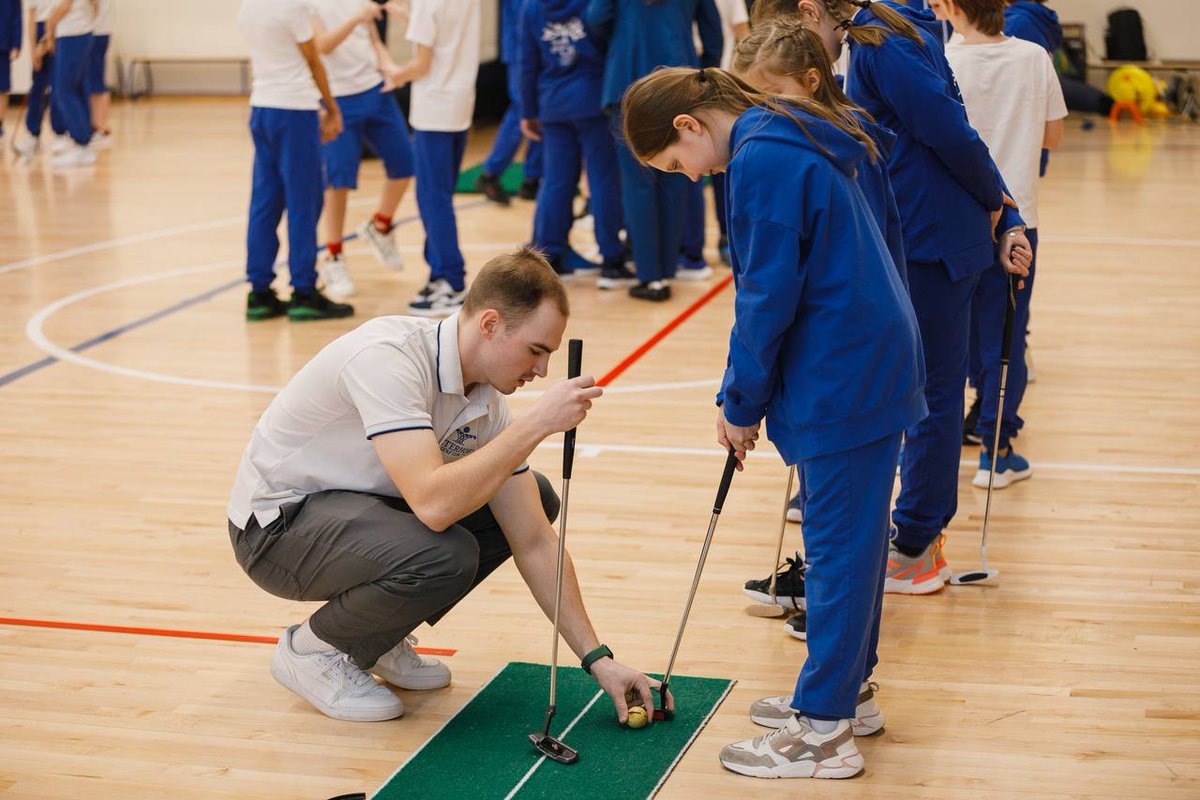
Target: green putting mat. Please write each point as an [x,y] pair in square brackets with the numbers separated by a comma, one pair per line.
[484,750]
[511,180]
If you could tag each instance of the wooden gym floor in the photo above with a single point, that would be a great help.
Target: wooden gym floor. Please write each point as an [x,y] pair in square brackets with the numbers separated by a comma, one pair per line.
[129,384]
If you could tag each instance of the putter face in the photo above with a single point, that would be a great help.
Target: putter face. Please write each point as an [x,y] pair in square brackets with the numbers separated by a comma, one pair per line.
[978,576]
[553,749]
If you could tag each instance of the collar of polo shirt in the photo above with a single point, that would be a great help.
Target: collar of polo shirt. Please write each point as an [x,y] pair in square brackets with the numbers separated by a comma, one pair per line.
[449,365]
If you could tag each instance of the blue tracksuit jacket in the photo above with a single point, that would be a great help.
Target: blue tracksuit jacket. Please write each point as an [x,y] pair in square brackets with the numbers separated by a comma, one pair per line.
[1035,23]
[561,62]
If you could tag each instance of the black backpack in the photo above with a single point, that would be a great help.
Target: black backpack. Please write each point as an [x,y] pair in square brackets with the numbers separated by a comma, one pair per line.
[1124,39]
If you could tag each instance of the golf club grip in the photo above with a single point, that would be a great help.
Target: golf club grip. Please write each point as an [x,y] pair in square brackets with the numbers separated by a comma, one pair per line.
[1010,310]
[574,368]
[731,462]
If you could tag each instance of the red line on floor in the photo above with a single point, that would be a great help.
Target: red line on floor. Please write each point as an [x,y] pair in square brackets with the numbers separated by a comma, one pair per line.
[608,378]
[664,332]
[222,637]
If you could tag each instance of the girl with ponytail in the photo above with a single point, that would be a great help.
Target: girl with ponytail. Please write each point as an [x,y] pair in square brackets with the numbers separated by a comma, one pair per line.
[825,348]
[951,197]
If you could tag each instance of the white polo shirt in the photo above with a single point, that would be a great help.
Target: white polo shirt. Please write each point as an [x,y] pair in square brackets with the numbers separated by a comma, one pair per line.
[444,99]
[79,20]
[389,374]
[274,30]
[352,67]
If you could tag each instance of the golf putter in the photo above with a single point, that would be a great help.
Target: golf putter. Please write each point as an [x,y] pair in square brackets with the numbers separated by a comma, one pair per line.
[546,744]
[983,573]
[663,713]
[774,609]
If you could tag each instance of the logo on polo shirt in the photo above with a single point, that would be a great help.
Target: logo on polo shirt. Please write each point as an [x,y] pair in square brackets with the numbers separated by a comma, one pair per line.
[459,442]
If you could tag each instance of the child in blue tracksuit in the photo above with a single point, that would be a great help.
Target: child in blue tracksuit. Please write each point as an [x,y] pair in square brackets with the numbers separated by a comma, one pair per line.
[824,347]
[561,64]
[10,48]
[951,198]
[642,35]
[1032,21]
[509,135]
[69,35]
[38,100]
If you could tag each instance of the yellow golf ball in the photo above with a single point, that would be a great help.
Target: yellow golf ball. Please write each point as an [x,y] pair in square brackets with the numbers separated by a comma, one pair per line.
[637,717]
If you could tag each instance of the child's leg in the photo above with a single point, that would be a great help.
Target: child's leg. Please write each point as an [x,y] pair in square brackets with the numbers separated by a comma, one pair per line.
[5,86]
[600,155]
[554,213]
[932,448]
[672,190]
[992,295]
[388,135]
[438,158]
[691,248]
[341,158]
[845,545]
[68,94]
[266,202]
[718,184]
[300,160]
[639,206]
[39,91]
[97,88]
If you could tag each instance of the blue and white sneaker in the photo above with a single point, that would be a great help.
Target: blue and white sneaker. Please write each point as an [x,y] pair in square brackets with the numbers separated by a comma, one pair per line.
[795,509]
[1010,468]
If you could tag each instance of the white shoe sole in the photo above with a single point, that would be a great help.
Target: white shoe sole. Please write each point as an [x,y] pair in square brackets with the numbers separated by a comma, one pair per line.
[787,601]
[795,634]
[1003,479]
[412,683]
[694,274]
[893,586]
[286,680]
[795,515]
[835,768]
[615,283]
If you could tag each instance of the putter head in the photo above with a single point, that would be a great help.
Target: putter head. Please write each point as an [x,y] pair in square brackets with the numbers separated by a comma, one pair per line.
[974,576]
[663,714]
[761,610]
[553,749]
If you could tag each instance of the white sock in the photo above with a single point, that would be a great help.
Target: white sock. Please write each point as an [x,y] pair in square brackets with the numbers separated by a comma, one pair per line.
[305,642]
[823,726]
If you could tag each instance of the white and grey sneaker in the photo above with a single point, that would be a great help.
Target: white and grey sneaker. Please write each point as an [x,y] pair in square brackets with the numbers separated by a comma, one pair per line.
[402,666]
[796,751]
[384,245]
[437,299]
[332,684]
[75,156]
[336,277]
[26,147]
[774,712]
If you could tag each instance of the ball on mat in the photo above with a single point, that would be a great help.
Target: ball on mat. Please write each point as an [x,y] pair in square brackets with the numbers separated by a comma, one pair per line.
[637,717]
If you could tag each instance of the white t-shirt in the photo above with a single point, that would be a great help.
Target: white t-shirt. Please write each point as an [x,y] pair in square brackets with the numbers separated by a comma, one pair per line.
[732,13]
[389,374]
[1011,91]
[78,21]
[42,9]
[444,99]
[352,67]
[104,9]
[274,29]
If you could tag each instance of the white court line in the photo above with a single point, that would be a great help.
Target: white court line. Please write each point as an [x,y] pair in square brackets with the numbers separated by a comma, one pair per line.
[1119,240]
[561,736]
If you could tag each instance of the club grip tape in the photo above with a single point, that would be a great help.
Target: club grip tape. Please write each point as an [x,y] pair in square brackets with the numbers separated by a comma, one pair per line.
[574,368]
[726,479]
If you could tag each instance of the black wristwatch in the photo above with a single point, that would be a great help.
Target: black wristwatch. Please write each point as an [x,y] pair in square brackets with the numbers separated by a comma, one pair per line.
[591,658]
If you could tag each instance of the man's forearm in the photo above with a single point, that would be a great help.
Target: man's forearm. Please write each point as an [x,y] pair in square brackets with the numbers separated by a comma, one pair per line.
[539,567]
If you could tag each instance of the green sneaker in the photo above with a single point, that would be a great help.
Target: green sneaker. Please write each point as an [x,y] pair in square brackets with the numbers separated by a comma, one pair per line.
[314,305]
[264,304]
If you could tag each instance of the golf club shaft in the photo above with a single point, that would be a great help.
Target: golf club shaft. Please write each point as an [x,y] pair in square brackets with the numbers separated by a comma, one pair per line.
[1010,308]
[787,499]
[730,465]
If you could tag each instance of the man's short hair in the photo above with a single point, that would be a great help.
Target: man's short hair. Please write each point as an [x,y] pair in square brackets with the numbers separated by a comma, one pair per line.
[515,284]
[986,15]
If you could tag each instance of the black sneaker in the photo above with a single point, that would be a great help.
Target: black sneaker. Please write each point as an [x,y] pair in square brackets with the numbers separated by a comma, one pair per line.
[615,274]
[789,585]
[264,304]
[797,626]
[314,305]
[491,188]
[563,272]
[654,291]
[529,188]
[971,421]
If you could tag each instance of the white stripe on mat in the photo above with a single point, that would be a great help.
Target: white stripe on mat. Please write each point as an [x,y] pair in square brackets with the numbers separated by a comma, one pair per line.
[561,736]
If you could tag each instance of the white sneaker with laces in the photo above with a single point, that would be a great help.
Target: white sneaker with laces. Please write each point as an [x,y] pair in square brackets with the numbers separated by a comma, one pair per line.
[774,712]
[336,277]
[332,684]
[402,666]
[76,156]
[795,750]
[384,245]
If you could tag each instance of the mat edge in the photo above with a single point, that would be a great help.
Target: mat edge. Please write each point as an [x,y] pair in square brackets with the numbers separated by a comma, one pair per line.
[688,745]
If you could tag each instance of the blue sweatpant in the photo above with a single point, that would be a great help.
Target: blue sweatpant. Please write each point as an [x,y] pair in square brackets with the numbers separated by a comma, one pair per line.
[439,156]
[39,96]
[566,145]
[718,184]
[692,243]
[845,545]
[932,448]
[96,62]
[987,326]
[287,176]
[69,91]
[509,137]
[652,204]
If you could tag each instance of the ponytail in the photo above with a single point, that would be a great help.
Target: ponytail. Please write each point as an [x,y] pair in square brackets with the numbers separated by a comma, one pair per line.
[873,35]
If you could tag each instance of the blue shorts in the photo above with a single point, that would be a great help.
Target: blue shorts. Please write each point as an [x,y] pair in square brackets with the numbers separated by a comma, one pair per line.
[95,67]
[5,74]
[374,117]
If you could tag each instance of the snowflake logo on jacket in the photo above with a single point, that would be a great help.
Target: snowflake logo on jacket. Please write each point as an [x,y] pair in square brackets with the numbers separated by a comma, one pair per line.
[562,37]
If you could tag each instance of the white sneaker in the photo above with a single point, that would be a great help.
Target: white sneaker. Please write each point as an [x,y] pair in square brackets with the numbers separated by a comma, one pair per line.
[101,139]
[26,147]
[774,712]
[437,299]
[384,245]
[336,277]
[332,684]
[404,667]
[76,156]
[795,750]
[61,144]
